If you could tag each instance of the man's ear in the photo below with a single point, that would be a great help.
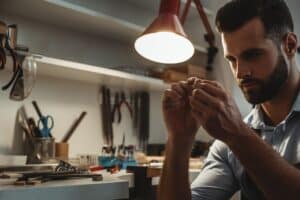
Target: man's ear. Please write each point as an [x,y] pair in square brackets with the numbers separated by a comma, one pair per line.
[290,43]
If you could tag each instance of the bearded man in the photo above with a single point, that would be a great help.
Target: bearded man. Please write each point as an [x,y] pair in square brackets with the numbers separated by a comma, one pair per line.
[258,155]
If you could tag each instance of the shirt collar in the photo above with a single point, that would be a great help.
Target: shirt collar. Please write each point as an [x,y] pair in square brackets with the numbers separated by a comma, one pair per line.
[255,118]
[296,105]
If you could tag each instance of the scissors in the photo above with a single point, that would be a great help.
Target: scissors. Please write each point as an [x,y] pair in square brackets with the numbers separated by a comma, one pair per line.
[45,123]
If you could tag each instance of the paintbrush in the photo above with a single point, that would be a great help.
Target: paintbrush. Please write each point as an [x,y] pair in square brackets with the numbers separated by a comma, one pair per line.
[73,127]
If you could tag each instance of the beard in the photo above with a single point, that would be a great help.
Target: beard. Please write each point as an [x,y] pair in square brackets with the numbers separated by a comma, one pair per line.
[265,89]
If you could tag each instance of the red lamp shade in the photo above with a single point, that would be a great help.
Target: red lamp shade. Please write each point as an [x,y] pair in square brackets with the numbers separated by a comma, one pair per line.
[165,41]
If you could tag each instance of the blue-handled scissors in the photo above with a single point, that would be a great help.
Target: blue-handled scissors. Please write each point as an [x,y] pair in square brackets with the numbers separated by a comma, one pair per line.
[45,125]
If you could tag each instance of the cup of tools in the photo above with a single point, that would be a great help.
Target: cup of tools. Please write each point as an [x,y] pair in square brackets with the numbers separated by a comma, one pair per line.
[40,150]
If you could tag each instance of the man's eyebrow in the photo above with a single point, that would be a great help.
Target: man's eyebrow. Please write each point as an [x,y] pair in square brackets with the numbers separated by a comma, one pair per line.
[246,53]
[251,51]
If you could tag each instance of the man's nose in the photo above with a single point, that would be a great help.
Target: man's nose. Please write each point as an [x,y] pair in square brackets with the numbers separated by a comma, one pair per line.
[242,70]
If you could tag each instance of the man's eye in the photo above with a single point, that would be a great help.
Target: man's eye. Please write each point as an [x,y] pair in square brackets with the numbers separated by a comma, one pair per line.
[230,59]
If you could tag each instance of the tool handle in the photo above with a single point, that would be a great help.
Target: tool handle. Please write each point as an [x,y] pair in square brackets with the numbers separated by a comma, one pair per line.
[33,128]
[37,109]
[46,127]
[73,127]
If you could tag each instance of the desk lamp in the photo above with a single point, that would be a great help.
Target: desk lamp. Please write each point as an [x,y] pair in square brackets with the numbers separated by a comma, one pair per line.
[165,41]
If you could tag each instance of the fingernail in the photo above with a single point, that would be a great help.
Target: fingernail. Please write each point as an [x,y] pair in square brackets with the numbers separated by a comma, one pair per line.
[194,92]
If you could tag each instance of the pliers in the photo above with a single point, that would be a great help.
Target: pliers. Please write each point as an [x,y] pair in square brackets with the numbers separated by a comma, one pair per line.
[117,106]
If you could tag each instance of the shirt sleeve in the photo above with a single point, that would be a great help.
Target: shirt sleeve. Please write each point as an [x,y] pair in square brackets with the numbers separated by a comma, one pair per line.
[216,180]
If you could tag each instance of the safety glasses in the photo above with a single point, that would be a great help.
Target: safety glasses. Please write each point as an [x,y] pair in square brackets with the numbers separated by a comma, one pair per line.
[23,79]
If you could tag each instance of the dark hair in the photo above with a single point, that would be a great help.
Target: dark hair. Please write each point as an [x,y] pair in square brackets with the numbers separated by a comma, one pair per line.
[274,14]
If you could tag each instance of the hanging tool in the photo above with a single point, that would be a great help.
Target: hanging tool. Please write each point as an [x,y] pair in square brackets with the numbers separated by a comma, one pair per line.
[121,147]
[107,129]
[110,128]
[124,102]
[23,121]
[144,115]
[120,99]
[103,115]
[116,109]
[45,123]
[136,107]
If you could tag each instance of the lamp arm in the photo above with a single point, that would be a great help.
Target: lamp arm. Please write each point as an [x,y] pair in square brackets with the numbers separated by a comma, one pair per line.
[209,36]
[185,11]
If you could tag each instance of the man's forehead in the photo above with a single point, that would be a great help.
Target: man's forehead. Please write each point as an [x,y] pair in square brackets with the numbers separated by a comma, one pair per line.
[248,36]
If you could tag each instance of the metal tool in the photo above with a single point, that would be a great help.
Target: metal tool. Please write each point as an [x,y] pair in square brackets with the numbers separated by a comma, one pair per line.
[143,127]
[119,102]
[110,128]
[23,121]
[106,117]
[124,102]
[116,109]
[45,123]
[63,171]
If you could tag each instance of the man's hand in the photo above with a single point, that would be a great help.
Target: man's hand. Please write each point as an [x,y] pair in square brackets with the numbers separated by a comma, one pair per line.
[177,111]
[182,128]
[215,110]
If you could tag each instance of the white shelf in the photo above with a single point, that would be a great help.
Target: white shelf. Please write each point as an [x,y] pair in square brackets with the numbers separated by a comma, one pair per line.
[98,75]
[76,17]
[65,14]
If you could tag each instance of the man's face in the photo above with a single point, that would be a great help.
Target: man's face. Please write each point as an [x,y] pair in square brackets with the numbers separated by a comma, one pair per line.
[258,65]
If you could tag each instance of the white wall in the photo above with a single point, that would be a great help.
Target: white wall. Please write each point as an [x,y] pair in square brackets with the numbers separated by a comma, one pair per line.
[65,99]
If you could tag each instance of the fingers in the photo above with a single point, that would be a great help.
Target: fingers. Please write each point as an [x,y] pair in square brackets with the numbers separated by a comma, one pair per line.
[171,94]
[179,89]
[188,87]
[183,88]
[199,110]
[205,91]
[209,82]
[214,83]
[213,88]
[191,80]
[171,99]
[197,105]
[177,94]
[203,103]
[207,99]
